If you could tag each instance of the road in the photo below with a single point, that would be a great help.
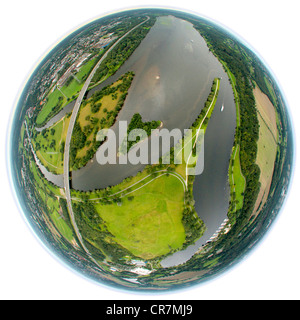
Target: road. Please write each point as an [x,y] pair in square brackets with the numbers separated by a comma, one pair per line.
[69,136]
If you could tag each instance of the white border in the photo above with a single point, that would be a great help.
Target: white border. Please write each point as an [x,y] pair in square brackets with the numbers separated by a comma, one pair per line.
[28,30]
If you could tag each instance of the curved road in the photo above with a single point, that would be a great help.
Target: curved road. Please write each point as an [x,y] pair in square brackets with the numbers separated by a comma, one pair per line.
[69,135]
[176,175]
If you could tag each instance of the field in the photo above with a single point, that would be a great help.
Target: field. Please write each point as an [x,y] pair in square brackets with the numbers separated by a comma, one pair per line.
[151,214]
[50,194]
[49,145]
[86,117]
[148,224]
[51,101]
[236,179]
[98,112]
[62,96]
[267,145]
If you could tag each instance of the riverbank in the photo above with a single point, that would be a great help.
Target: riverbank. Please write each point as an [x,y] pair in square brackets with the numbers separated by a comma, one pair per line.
[237,181]
[128,212]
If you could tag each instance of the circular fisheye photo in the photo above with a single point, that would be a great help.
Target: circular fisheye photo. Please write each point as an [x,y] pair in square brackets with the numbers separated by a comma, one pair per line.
[150,150]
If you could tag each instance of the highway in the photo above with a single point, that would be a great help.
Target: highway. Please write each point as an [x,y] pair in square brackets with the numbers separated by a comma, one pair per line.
[69,136]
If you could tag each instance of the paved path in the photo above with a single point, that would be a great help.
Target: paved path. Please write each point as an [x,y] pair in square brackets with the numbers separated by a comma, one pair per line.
[69,135]
[198,131]
[162,172]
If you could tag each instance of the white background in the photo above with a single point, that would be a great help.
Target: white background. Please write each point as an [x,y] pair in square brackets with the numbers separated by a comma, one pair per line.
[28,30]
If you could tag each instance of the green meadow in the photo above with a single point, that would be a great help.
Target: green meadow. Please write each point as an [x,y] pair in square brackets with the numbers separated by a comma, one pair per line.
[148,221]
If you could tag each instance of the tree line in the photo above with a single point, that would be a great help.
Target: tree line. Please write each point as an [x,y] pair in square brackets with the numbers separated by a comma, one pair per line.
[233,54]
[81,135]
[122,51]
[136,122]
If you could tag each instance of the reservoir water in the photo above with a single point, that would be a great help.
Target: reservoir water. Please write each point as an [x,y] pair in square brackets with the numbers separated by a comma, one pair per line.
[174,71]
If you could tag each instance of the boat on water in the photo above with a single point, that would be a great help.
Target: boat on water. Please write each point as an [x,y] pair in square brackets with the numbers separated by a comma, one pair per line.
[222,108]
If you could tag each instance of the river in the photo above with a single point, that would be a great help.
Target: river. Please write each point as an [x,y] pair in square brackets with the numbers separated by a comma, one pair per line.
[174,71]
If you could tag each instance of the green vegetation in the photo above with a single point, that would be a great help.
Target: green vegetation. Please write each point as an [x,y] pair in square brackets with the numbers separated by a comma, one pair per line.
[134,223]
[121,52]
[136,122]
[120,222]
[149,222]
[50,199]
[198,127]
[242,229]
[237,183]
[98,112]
[97,238]
[237,180]
[267,145]
[49,145]
[190,218]
[233,241]
[125,215]
[54,102]
[144,229]
[45,206]
[61,96]
[234,56]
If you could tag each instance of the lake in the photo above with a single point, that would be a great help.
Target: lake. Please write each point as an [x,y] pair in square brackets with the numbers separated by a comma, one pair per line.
[174,71]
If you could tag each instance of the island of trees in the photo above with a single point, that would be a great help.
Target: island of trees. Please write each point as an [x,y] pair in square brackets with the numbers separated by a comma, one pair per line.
[136,122]
[150,215]
[100,213]
[98,112]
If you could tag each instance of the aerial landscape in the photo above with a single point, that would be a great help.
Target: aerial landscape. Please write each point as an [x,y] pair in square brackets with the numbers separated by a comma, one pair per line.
[151,150]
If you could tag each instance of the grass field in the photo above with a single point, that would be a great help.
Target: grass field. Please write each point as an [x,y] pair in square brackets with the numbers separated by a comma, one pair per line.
[86,68]
[108,104]
[236,179]
[50,194]
[49,142]
[52,100]
[99,112]
[51,155]
[266,146]
[149,225]
[60,224]
[152,214]
[66,93]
